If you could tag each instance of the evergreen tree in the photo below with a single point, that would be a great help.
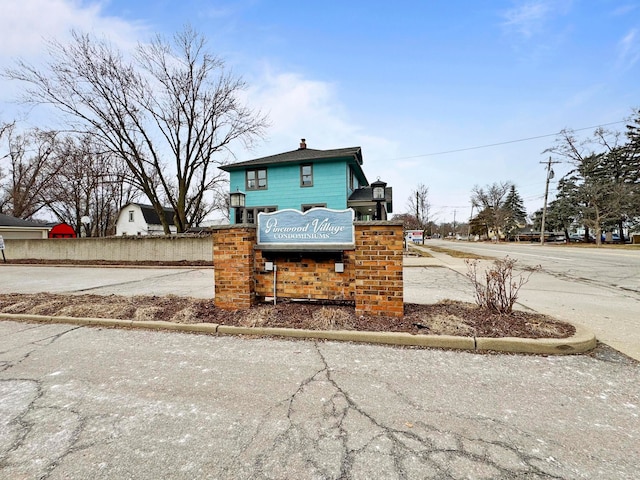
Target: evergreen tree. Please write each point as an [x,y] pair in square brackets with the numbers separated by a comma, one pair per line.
[514,212]
[561,214]
[620,168]
[631,153]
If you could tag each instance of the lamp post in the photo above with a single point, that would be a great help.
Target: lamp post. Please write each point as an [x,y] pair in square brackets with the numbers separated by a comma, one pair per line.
[236,201]
[378,194]
[85,221]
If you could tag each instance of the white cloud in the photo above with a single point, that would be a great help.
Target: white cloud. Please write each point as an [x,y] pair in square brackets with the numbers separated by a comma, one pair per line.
[26,23]
[624,10]
[527,19]
[628,50]
[300,107]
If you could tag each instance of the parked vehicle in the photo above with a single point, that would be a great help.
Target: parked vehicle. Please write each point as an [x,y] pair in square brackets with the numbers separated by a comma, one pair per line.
[579,238]
[614,237]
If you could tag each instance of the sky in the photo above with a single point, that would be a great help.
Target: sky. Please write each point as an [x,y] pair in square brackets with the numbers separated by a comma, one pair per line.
[447,94]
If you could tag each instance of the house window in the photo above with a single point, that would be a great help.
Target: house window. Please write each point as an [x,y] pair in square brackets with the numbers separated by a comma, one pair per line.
[257,179]
[306,175]
[251,213]
[131,215]
[309,206]
[353,181]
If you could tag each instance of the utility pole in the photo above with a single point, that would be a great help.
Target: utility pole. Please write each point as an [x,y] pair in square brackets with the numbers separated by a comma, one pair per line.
[454,222]
[550,175]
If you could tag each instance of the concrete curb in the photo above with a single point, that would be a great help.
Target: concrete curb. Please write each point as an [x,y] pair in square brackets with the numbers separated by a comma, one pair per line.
[581,342]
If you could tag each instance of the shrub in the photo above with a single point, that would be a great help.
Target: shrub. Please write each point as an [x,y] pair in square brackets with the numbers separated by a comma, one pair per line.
[499,290]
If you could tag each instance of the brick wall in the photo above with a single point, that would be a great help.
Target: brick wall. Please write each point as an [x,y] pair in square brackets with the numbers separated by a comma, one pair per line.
[378,271]
[233,263]
[372,276]
[306,275]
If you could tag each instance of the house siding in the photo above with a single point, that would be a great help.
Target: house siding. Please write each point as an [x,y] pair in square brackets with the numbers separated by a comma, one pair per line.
[138,226]
[284,191]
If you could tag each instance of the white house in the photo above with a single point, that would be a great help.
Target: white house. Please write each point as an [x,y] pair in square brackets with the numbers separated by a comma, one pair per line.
[140,219]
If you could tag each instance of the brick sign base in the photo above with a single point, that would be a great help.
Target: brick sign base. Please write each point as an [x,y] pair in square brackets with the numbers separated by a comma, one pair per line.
[372,276]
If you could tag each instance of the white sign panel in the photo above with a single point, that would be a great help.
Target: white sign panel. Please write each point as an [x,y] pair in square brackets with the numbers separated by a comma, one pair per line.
[318,226]
[415,236]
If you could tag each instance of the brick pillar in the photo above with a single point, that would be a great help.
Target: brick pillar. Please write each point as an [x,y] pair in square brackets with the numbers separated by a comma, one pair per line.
[233,257]
[378,258]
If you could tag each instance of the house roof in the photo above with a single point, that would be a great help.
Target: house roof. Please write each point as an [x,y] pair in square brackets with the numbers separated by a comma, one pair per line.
[364,196]
[150,215]
[9,221]
[300,155]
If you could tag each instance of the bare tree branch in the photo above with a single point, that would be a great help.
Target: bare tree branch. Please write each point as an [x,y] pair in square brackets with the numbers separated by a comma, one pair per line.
[172,112]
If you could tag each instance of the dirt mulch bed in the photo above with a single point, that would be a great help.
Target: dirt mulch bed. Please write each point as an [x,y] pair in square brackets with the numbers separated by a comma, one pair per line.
[444,318]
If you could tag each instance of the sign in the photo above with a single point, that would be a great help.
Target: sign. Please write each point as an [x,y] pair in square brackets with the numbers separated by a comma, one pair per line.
[316,227]
[415,236]
[1,243]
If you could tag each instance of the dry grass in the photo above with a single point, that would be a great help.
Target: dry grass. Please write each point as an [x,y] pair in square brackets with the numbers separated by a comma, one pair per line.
[418,251]
[447,324]
[327,318]
[444,318]
[457,253]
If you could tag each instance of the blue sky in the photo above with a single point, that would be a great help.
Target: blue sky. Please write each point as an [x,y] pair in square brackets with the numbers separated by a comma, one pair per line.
[404,80]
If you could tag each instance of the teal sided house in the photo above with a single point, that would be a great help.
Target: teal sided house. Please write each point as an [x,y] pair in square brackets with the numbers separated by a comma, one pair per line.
[306,178]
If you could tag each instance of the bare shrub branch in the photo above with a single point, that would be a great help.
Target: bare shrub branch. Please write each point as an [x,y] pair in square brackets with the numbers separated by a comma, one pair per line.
[498,291]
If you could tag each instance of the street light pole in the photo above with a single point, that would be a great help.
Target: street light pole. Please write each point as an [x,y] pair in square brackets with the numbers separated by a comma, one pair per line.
[237,203]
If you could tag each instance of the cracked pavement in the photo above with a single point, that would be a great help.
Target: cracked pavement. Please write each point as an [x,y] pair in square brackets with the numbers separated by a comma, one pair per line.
[80,402]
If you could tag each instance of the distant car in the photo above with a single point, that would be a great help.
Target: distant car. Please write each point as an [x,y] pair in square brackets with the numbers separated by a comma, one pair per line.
[614,237]
[576,237]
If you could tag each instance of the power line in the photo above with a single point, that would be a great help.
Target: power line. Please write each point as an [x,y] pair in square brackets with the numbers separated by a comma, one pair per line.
[504,143]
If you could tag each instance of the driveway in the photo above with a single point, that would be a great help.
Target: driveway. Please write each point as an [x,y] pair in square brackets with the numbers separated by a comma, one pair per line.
[81,402]
[190,282]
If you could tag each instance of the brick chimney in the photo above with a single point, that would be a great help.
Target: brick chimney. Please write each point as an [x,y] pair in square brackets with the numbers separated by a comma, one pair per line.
[303,144]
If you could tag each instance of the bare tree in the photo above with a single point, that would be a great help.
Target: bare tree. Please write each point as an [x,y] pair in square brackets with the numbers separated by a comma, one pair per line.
[91,183]
[489,202]
[419,207]
[32,166]
[172,113]
[5,128]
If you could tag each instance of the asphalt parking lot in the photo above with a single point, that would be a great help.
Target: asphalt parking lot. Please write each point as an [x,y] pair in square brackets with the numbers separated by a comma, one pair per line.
[87,402]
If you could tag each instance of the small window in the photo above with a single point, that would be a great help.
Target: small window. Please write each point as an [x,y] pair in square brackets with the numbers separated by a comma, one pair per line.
[309,206]
[257,179]
[353,180]
[250,214]
[306,175]
[131,215]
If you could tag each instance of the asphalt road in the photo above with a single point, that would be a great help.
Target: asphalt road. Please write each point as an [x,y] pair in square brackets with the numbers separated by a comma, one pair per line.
[82,402]
[596,287]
